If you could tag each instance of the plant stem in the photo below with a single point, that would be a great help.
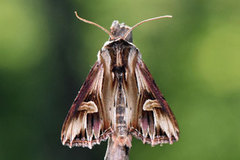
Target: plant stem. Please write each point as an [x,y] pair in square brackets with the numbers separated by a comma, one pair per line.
[116,152]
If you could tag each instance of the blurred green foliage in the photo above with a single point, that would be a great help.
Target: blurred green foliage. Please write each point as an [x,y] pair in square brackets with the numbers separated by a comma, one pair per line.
[46,53]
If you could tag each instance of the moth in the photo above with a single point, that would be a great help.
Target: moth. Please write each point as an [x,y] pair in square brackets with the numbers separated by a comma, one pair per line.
[119,98]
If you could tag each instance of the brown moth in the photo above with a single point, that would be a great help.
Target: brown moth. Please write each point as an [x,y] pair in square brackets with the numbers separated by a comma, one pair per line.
[119,98]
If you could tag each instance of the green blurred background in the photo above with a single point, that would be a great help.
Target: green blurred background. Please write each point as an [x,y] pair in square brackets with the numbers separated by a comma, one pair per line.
[46,53]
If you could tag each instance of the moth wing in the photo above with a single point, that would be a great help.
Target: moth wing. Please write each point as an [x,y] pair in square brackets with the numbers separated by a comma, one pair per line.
[156,123]
[84,124]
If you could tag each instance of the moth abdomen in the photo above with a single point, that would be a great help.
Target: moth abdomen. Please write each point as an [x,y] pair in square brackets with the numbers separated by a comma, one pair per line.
[120,110]
[120,119]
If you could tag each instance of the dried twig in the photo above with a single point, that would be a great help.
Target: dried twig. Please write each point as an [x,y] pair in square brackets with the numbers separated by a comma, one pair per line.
[116,152]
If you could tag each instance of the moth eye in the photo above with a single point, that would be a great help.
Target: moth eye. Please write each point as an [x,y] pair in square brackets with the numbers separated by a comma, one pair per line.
[137,50]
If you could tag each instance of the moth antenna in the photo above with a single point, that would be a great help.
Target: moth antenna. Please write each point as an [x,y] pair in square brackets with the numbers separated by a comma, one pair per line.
[146,20]
[95,24]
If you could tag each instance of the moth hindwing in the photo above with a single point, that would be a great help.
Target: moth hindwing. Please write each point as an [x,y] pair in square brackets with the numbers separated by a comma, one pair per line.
[119,99]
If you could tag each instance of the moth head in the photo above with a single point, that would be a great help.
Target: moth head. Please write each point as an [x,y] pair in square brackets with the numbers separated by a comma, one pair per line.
[120,31]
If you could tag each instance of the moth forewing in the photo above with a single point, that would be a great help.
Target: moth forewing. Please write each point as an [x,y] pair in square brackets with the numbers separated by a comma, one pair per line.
[165,126]
[108,88]
[132,87]
[86,124]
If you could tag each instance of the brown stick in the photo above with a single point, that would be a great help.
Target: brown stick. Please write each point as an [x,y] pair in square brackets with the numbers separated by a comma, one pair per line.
[116,152]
